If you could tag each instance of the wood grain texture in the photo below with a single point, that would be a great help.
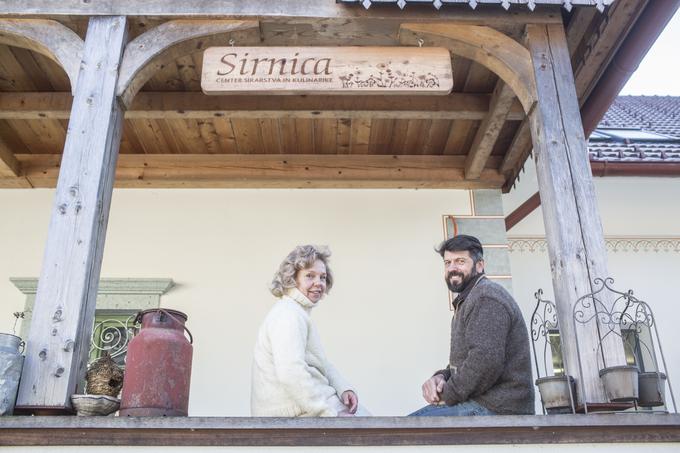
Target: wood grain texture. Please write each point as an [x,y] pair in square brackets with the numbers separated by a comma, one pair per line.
[58,344]
[161,45]
[9,165]
[155,105]
[488,47]
[342,70]
[47,37]
[362,431]
[574,234]
[489,130]
[278,170]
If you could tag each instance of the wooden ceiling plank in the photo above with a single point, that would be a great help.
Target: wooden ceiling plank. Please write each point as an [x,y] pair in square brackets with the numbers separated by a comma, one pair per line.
[166,105]
[48,37]
[188,73]
[621,16]
[488,131]
[40,137]
[129,142]
[381,134]
[225,133]
[344,135]
[461,69]
[271,138]
[12,73]
[397,143]
[277,170]
[55,74]
[27,61]
[457,138]
[210,136]
[288,135]
[437,138]
[326,136]
[151,136]
[188,135]
[361,135]
[579,24]
[247,133]
[416,136]
[304,135]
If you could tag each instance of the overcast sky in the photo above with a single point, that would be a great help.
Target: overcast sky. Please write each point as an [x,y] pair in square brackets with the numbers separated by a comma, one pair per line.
[659,72]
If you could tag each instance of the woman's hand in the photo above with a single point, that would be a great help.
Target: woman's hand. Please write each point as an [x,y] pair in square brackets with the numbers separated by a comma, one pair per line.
[351,400]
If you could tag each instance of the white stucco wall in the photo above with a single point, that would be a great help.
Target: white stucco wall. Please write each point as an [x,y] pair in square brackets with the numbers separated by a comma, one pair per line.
[385,324]
[634,208]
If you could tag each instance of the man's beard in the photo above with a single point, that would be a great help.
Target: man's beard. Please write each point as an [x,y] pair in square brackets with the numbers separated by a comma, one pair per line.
[465,281]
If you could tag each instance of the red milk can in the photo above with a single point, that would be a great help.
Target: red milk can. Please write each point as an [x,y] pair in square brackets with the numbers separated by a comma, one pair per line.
[158,366]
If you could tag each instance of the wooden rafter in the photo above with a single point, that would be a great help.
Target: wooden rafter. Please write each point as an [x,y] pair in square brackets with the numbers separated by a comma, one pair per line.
[604,44]
[155,105]
[517,153]
[9,165]
[488,47]
[278,171]
[488,131]
[47,37]
[150,51]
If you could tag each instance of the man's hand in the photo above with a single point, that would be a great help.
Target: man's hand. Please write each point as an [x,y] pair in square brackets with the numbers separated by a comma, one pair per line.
[433,387]
[351,400]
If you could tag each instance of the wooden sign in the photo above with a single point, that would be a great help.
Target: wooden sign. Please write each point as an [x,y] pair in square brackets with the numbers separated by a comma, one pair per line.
[327,70]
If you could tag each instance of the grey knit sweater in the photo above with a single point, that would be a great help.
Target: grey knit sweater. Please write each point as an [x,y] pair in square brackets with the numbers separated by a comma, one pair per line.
[489,361]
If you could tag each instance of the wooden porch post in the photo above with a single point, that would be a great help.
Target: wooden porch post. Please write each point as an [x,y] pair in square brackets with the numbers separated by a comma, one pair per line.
[59,339]
[573,230]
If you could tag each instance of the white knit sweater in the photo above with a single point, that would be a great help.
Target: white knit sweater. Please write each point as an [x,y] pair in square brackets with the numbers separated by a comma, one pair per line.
[291,376]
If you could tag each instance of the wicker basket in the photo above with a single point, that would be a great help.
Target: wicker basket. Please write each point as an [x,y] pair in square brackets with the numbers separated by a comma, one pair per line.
[104,377]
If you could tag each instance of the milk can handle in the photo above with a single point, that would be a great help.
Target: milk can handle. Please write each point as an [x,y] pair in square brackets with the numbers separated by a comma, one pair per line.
[191,337]
[138,320]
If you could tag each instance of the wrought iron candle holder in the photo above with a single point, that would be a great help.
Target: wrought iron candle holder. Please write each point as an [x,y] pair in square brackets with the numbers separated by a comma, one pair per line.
[556,387]
[640,382]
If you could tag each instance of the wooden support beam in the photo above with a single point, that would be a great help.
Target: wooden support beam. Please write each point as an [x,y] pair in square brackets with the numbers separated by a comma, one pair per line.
[59,340]
[517,154]
[279,171]
[152,50]
[271,10]
[165,105]
[488,131]
[47,37]
[9,165]
[574,234]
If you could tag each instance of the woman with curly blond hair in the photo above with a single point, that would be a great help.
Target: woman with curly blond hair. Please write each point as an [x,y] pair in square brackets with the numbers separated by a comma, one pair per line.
[291,376]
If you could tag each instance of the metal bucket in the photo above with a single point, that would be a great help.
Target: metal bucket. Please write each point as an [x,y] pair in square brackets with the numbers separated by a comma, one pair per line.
[620,383]
[555,393]
[652,386]
[11,363]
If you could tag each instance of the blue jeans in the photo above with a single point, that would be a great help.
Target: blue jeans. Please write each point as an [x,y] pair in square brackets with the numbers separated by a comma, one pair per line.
[468,407]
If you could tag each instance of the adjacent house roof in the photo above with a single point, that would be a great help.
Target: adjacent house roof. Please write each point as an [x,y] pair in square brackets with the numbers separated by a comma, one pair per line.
[638,129]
